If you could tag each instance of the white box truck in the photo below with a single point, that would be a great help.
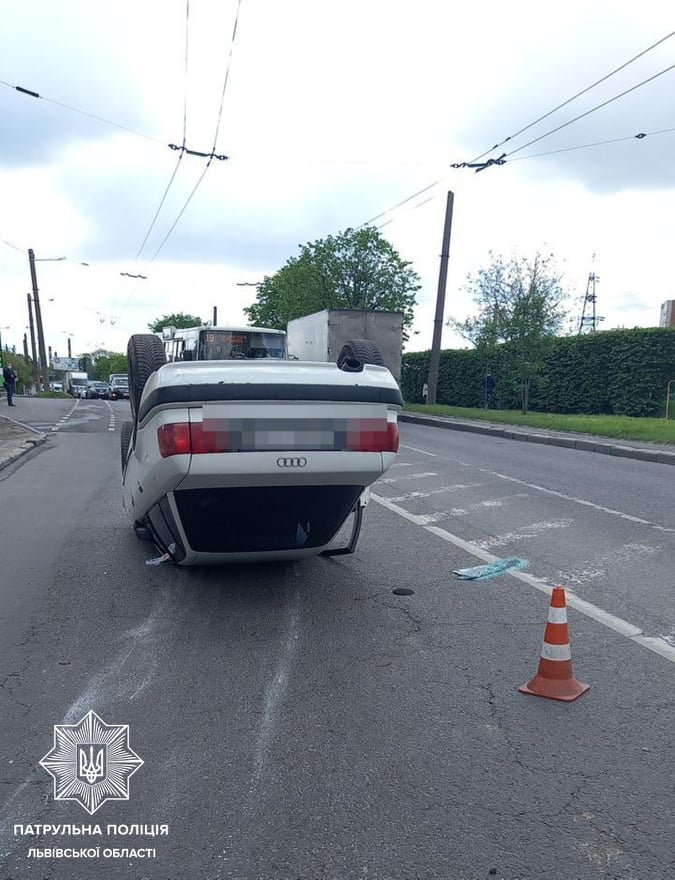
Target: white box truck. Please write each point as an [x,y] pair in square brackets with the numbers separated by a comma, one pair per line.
[321,336]
[76,383]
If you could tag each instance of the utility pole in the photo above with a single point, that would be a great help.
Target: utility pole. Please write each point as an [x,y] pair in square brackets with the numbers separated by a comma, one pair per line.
[25,348]
[440,302]
[44,366]
[32,330]
[70,353]
[215,316]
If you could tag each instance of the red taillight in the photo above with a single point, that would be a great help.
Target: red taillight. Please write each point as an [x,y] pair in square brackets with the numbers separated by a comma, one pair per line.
[213,436]
[372,435]
[174,439]
[181,438]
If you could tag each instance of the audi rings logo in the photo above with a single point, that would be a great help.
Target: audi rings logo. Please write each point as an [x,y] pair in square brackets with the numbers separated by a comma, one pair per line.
[291,462]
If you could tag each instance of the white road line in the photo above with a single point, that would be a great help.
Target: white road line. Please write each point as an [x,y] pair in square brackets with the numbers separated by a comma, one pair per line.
[462,511]
[111,421]
[423,451]
[61,422]
[656,644]
[532,530]
[408,477]
[454,488]
[552,492]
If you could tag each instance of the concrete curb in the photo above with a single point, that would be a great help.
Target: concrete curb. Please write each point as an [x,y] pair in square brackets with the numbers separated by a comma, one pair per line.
[20,445]
[585,443]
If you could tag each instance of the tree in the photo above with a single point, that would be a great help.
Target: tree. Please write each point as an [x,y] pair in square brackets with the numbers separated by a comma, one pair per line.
[25,370]
[179,319]
[356,269]
[521,305]
[109,363]
[101,363]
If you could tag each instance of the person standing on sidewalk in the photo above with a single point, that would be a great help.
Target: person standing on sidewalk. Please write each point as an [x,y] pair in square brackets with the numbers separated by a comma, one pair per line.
[10,378]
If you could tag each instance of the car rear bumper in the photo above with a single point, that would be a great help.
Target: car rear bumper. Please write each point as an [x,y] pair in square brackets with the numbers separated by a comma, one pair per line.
[264,523]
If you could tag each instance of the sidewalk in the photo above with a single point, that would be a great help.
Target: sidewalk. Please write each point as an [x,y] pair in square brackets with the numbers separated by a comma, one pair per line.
[16,439]
[656,452]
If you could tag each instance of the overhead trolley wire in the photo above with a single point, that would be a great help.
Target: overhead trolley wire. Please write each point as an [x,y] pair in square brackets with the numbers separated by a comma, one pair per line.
[502,159]
[181,154]
[631,137]
[86,113]
[13,246]
[574,97]
[402,202]
[215,137]
[592,110]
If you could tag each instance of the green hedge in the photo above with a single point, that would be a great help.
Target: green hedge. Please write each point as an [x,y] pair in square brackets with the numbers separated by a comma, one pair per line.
[619,372]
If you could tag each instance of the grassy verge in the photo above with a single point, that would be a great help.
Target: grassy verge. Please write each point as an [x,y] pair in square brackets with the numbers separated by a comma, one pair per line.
[617,427]
[61,394]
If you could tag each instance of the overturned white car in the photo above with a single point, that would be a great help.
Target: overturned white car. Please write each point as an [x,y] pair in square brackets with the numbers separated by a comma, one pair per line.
[254,457]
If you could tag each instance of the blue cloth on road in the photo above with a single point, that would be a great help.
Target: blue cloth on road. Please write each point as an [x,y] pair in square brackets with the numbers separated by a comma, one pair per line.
[501,566]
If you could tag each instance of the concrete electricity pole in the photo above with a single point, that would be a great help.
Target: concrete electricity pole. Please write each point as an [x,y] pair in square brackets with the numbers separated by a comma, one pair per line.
[32,329]
[44,366]
[440,302]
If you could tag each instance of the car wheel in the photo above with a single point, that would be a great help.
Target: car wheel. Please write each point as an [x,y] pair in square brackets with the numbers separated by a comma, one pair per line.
[142,532]
[145,354]
[125,441]
[357,352]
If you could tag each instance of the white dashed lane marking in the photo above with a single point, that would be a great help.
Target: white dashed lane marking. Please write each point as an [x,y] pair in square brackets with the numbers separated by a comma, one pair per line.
[62,421]
[111,422]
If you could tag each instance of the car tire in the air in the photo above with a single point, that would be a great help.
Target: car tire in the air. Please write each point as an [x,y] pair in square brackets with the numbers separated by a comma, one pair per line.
[357,352]
[145,354]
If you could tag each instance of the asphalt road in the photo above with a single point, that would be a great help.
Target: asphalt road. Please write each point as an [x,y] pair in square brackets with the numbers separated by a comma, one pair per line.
[302,721]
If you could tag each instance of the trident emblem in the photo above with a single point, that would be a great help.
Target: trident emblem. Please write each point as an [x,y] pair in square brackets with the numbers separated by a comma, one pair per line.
[91,763]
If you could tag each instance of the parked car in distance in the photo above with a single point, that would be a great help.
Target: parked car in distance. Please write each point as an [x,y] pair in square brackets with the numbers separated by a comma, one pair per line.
[57,386]
[118,389]
[97,390]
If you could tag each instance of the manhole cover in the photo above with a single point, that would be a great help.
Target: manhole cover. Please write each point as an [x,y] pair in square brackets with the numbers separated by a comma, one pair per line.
[403,591]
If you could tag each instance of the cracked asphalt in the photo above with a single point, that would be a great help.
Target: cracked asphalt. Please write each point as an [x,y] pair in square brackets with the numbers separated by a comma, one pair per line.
[302,721]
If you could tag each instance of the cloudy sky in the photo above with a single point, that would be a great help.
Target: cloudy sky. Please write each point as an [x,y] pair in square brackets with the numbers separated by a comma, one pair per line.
[333,113]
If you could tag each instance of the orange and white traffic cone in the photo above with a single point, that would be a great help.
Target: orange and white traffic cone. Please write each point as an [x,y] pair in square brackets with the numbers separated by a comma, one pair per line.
[555,678]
